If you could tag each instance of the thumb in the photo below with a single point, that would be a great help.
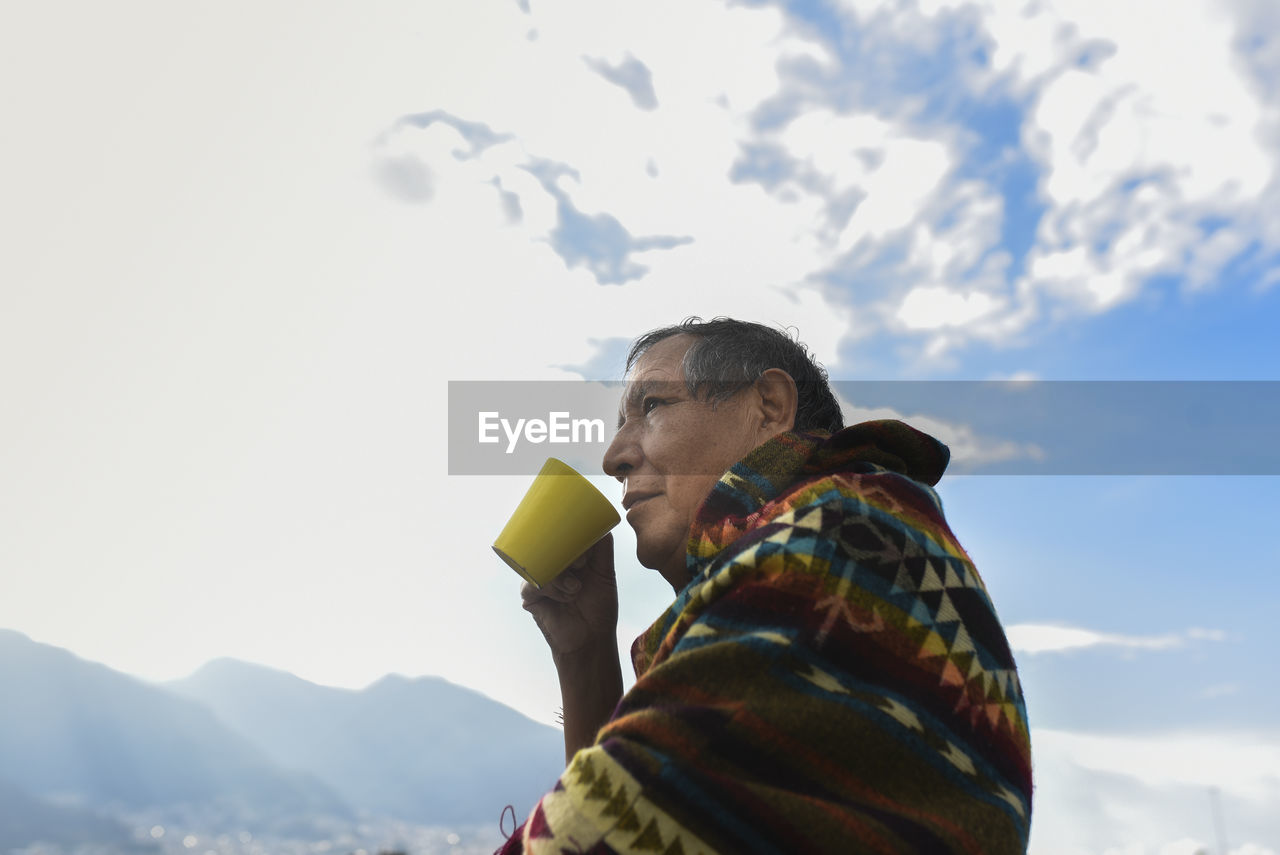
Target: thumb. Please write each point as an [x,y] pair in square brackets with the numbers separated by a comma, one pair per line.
[599,556]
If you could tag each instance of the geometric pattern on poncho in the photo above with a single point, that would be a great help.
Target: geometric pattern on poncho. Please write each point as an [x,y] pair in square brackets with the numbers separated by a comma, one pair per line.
[599,800]
[833,679]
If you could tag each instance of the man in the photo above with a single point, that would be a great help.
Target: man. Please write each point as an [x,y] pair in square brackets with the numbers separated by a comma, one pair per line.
[831,676]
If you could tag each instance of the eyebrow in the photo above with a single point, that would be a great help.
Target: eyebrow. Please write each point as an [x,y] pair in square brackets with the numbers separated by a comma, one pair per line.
[636,393]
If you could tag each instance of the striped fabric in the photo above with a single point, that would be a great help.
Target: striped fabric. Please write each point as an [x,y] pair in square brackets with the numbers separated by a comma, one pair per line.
[834,678]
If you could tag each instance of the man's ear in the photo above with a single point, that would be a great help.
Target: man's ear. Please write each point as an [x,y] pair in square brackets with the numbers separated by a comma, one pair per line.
[778,401]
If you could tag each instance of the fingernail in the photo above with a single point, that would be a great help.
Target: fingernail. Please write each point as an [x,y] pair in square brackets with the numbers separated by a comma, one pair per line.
[571,583]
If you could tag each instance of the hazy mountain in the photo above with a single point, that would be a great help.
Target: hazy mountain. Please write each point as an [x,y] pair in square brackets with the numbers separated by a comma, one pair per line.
[81,734]
[81,744]
[25,819]
[422,749]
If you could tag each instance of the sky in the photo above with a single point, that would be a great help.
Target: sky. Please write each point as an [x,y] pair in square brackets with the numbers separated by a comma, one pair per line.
[247,247]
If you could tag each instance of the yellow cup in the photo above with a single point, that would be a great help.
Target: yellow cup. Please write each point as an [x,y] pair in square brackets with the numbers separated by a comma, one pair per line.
[559,517]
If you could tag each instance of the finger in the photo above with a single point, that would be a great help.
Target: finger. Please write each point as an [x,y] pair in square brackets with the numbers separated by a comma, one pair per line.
[563,589]
[531,593]
[601,550]
[599,557]
[540,612]
[593,553]
[537,608]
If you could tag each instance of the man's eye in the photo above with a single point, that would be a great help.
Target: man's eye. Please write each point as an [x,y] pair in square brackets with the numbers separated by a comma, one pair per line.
[648,404]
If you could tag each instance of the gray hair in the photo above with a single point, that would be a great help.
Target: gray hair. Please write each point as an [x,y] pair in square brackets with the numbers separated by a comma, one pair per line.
[728,355]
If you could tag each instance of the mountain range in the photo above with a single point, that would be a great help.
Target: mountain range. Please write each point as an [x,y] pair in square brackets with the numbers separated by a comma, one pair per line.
[422,749]
[85,751]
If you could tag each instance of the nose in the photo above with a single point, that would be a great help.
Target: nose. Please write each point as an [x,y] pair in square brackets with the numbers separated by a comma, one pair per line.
[623,456]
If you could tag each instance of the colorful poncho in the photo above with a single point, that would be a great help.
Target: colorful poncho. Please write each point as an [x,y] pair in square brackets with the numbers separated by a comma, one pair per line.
[834,679]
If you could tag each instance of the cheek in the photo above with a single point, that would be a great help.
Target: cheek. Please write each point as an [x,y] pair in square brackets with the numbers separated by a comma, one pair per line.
[689,491]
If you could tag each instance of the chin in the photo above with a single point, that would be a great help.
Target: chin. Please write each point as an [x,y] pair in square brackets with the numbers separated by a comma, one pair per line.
[654,555]
[648,559]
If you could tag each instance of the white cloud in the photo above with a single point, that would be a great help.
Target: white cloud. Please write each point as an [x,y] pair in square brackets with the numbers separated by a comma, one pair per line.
[909,174]
[926,308]
[1152,126]
[1151,793]
[1242,766]
[1017,378]
[1162,99]
[1035,638]
[966,446]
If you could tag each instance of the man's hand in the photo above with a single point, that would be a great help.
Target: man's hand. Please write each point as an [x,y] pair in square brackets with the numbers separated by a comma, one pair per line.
[579,608]
[578,616]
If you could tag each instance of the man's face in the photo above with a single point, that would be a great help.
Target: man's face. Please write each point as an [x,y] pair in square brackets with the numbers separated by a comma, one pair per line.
[671,449]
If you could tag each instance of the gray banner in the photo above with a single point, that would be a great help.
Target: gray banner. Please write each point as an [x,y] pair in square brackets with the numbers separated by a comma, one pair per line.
[992,428]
